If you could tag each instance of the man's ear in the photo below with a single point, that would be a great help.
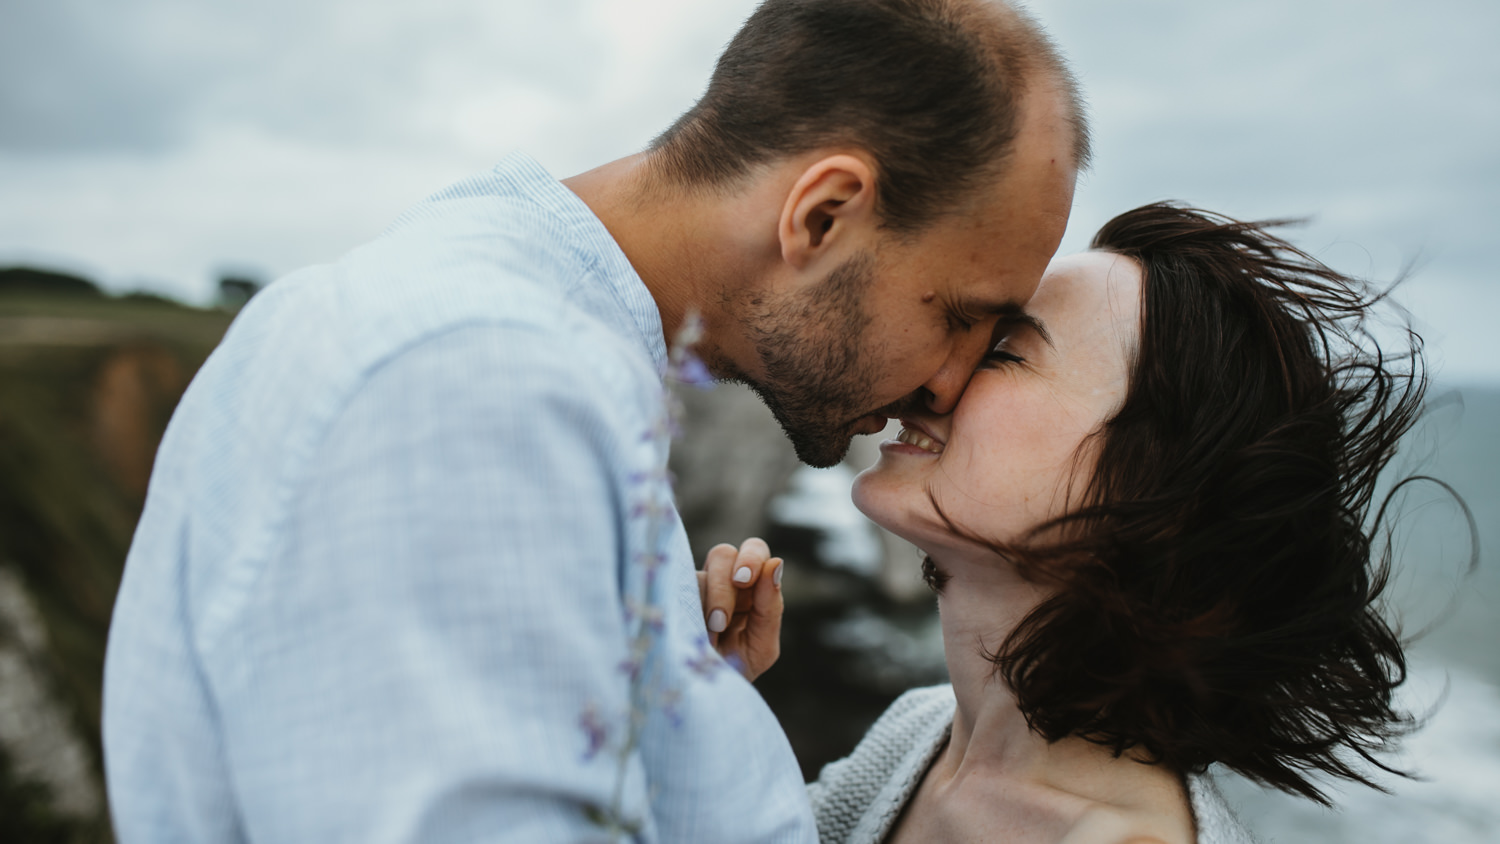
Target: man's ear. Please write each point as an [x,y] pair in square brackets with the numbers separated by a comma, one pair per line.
[833,199]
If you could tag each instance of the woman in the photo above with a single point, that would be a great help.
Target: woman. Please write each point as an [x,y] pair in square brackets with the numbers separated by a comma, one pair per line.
[1146,525]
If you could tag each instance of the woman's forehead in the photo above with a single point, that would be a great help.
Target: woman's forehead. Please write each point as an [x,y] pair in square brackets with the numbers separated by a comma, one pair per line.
[1086,287]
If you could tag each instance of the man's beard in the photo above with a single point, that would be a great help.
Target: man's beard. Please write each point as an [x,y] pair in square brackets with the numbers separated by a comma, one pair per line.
[819,377]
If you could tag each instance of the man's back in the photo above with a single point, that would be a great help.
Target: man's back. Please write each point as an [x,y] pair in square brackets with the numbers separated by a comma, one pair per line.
[379,591]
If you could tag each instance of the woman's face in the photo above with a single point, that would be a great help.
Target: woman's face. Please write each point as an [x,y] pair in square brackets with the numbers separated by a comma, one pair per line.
[1007,457]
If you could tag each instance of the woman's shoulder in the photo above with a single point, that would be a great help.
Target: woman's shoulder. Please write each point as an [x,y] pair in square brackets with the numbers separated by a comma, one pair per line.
[1213,821]
[858,798]
[1113,825]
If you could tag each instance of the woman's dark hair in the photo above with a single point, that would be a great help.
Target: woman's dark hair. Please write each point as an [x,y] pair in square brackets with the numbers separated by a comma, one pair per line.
[930,88]
[1219,578]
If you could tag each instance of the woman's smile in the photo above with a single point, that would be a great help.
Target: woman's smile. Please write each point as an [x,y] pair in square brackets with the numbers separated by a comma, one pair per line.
[1002,461]
[917,439]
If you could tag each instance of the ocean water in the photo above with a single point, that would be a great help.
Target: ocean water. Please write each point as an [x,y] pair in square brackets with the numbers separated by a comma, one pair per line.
[1454,615]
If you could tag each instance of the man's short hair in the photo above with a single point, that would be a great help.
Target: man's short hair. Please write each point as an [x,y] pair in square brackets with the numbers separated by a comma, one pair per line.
[931,89]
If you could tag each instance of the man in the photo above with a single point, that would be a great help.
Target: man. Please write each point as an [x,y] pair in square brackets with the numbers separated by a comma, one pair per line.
[391,561]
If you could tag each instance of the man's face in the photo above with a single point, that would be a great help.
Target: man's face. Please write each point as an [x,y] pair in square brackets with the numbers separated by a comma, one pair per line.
[819,372]
[909,321]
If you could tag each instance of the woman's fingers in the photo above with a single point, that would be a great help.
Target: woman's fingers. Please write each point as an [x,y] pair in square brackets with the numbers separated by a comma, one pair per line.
[729,573]
[762,633]
[716,586]
[752,556]
[742,604]
[766,599]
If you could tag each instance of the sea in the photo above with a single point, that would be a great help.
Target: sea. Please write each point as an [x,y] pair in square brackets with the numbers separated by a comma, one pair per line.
[1446,596]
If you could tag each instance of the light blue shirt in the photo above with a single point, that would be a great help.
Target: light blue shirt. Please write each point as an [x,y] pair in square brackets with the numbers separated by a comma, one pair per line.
[393,551]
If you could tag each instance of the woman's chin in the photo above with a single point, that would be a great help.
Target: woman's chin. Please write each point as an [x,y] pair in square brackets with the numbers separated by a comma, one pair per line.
[889,501]
[872,495]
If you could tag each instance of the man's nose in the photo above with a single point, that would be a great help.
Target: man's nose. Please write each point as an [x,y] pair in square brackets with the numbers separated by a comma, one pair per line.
[945,388]
[947,385]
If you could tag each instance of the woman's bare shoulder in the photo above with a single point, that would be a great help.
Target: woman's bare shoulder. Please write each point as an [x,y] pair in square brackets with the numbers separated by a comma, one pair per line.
[1103,824]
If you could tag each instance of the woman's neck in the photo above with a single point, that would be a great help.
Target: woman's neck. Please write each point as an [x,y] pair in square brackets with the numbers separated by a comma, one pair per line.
[981,604]
[992,749]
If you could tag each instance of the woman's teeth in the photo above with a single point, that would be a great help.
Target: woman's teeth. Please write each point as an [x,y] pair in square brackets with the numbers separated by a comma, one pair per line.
[920,440]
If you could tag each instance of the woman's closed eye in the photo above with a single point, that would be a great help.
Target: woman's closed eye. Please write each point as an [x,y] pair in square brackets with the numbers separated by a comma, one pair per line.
[999,354]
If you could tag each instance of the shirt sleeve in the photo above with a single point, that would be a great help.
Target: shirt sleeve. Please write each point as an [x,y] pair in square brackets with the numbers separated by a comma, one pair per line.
[435,645]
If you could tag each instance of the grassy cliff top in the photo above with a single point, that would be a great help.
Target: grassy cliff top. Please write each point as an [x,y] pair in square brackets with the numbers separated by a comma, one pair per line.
[87,384]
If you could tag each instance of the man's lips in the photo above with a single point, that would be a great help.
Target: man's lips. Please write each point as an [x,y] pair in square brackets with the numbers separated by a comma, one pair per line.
[870,423]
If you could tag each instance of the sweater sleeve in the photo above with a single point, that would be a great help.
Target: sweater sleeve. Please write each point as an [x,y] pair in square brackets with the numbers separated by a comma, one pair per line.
[859,797]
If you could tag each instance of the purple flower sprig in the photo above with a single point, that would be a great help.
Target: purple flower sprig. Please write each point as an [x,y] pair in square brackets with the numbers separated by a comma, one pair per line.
[683,364]
[643,612]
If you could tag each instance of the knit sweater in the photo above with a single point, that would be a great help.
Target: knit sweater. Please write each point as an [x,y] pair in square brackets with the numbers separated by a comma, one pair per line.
[857,799]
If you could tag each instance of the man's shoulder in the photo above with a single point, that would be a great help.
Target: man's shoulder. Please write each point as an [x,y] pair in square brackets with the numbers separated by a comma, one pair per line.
[486,265]
[378,351]
[304,347]
[485,259]
[324,335]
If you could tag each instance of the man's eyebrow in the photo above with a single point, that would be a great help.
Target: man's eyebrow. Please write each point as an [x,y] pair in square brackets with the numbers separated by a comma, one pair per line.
[1014,313]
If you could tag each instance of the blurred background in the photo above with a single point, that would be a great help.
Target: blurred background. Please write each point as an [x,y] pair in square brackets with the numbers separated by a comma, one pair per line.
[160,160]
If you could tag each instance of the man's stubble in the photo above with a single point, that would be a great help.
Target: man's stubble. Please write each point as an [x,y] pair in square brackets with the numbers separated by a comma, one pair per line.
[820,368]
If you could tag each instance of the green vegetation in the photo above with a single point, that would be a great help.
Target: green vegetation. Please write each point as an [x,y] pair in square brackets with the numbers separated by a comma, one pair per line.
[87,384]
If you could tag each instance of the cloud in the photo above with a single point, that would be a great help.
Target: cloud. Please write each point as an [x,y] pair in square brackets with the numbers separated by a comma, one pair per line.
[82,76]
[148,73]
[1376,120]
[156,138]
[153,141]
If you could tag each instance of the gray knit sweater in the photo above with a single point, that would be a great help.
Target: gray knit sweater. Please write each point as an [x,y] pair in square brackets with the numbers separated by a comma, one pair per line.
[858,798]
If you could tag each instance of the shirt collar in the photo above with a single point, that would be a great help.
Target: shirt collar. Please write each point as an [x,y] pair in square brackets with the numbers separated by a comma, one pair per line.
[521,174]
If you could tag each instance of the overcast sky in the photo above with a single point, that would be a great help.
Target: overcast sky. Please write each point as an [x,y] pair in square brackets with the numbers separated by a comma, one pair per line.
[154,143]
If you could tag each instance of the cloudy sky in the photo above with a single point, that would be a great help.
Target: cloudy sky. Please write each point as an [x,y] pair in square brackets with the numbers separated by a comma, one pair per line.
[155,143]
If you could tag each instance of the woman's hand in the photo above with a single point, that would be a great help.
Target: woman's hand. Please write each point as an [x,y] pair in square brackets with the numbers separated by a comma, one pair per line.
[741,592]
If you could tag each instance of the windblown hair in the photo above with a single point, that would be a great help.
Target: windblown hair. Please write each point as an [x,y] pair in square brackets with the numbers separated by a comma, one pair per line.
[931,89]
[1219,578]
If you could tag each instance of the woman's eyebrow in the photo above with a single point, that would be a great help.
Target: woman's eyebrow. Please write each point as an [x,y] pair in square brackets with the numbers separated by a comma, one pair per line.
[1014,313]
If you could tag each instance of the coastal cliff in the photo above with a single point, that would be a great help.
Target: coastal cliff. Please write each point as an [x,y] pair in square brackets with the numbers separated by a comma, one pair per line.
[87,384]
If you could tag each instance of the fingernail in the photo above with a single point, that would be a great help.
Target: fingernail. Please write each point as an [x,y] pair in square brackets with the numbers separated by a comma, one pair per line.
[717,621]
[776,578]
[742,574]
